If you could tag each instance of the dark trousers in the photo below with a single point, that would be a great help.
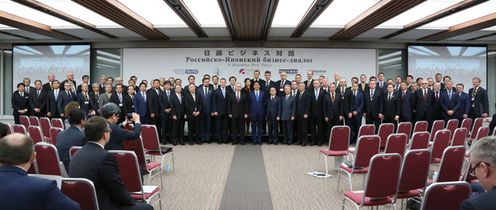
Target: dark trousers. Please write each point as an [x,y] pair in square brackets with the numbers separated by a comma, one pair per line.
[194,129]
[155,121]
[138,206]
[166,128]
[178,131]
[329,125]
[317,128]
[373,120]
[221,128]
[287,131]
[389,120]
[238,130]
[205,127]
[16,120]
[256,129]
[273,130]
[302,130]
[354,122]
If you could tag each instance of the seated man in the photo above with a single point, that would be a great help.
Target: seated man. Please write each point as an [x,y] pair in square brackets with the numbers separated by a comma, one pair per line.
[93,162]
[23,192]
[111,112]
[483,166]
[72,136]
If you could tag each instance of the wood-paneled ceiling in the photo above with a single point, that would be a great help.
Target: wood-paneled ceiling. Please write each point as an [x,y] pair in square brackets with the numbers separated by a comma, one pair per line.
[249,20]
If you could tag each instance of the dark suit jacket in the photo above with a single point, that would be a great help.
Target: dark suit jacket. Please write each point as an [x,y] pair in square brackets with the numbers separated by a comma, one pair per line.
[64,99]
[22,192]
[302,104]
[235,108]
[46,87]
[260,81]
[463,105]
[317,105]
[480,102]
[119,135]
[309,86]
[19,103]
[84,102]
[114,98]
[52,104]
[73,82]
[483,201]
[165,101]
[287,107]
[267,86]
[38,101]
[374,105]
[273,108]
[256,110]
[448,104]
[333,109]
[424,105]
[280,88]
[392,107]
[94,101]
[407,102]
[140,105]
[206,99]
[153,102]
[68,138]
[177,107]
[191,105]
[363,87]
[219,102]
[96,164]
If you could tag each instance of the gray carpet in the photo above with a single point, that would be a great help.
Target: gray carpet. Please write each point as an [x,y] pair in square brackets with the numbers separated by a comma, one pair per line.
[246,185]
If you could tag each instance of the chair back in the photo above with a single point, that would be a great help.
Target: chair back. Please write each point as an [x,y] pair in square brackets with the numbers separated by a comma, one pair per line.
[366,130]
[396,143]
[481,133]
[452,125]
[47,159]
[441,142]
[451,164]
[383,176]
[406,128]
[445,195]
[366,148]
[45,126]
[18,128]
[81,191]
[467,124]
[57,122]
[128,169]
[136,145]
[150,137]
[34,121]
[24,120]
[35,134]
[477,124]
[437,125]
[459,136]
[420,140]
[385,129]
[54,133]
[415,170]
[339,139]
[73,150]
[421,126]
[9,128]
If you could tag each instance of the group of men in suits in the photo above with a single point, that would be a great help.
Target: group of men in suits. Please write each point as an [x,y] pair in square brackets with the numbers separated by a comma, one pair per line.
[302,112]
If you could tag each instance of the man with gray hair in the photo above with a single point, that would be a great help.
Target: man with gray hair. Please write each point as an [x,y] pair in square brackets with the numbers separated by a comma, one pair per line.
[483,166]
[111,112]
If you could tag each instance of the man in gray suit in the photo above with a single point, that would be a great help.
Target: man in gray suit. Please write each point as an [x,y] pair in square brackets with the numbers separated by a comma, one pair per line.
[105,97]
[287,115]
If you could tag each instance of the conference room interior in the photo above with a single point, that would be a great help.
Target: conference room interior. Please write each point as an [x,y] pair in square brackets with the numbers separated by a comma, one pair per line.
[324,157]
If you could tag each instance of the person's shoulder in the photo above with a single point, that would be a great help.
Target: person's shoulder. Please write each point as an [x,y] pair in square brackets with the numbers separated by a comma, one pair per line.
[482,201]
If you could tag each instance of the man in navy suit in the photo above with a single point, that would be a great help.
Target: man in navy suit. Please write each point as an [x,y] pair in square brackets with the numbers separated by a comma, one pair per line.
[302,112]
[424,103]
[93,162]
[354,110]
[111,112]
[479,101]
[65,97]
[140,105]
[407,102]
[206,92]
[237,109]
[219,110]
[374,105]
[281,83]
[483,167]
[266,88]
[165,108]
[20,103]
[449,101]
[53,97]
[72,136]
[381,83]
[23,192]
[256,114]
[463,103]
[287,115]
[273,114]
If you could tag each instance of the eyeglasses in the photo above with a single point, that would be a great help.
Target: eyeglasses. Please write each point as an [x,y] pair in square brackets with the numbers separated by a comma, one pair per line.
[471,170]
[108,130]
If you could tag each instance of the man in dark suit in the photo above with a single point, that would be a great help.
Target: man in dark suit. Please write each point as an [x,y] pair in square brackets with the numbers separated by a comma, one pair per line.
[165,110]
[463,103]
[193,108]
[65,97]
[206,93]
[267,85]
[479,106]
[118,98]
[333,109]
[256,112]
[72,136]
[48,86]
[363,86]
[374,105]
[191,81]
[232,83]
[27,86]
[84,100]
[424,103]
[237,109]
[95,98]
[353,109]
[86,80]
[53,97]
[129,99]
[38,100]
[256,78]
[273,115]
[392,106]
[449,102]
[20,103]
[140,104]
[93,162]
[302,112]
[153,102]
[111,112]
[317,114]
[281,83]
[482,166]
[407,99]
[287,115]
[177,116]
[219,110]
[381,82]
[309,82]
[20,191]
[71,81]
[437,107]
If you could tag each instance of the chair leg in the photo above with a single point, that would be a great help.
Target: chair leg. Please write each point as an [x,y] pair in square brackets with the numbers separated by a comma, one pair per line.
[394,206]
[349,180]
[344,199]
[326,166]
[173,163]
[150,177]
[339,179]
